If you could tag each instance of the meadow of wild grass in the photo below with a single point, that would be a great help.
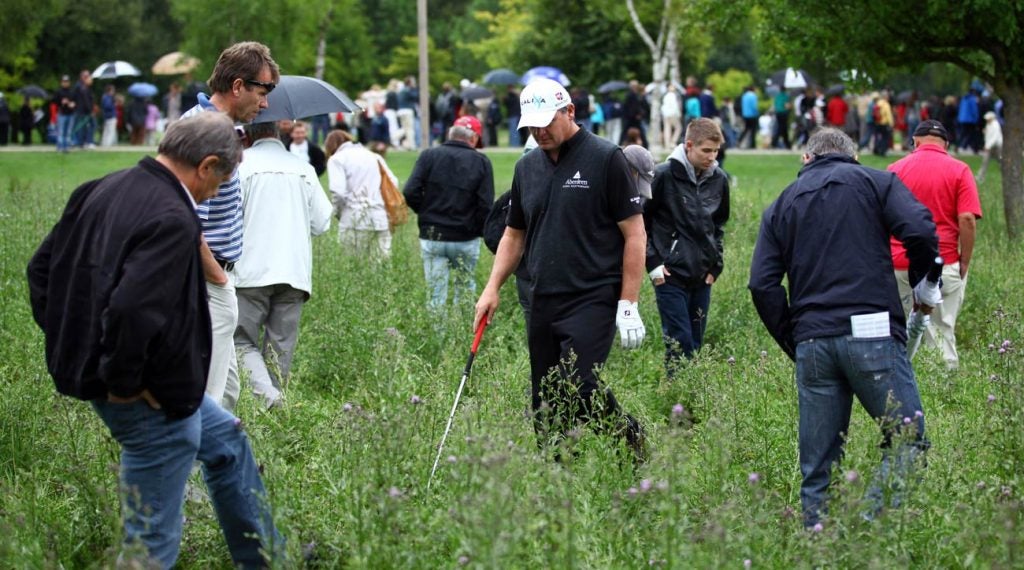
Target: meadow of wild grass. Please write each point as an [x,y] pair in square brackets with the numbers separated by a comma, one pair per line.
[346,460]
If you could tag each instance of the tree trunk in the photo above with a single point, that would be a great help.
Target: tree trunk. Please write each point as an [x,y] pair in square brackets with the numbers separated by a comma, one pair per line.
[321,45]
[1013,158]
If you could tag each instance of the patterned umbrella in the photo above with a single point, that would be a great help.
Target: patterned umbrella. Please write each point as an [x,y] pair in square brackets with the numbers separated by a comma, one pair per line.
[112,69]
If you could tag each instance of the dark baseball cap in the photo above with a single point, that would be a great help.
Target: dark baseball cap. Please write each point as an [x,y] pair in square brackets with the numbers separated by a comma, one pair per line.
[931,128]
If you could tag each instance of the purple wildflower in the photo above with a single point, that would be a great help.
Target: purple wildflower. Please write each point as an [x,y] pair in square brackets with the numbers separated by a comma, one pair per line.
[818,527]
[632,491]
[415,400]
[1006,344]
[1002,350]
[747,563]
[452,459]
[395,493]
[852,476]
[907,420]
[677,410]
[646,485]
[918,415]
[463,560]
[991,398]
[347,407]
[754,478]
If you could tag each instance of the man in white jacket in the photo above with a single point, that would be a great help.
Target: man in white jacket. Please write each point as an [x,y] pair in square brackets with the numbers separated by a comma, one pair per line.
[283,207]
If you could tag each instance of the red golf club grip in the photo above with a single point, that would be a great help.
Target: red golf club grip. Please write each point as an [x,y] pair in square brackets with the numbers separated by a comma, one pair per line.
[479,334]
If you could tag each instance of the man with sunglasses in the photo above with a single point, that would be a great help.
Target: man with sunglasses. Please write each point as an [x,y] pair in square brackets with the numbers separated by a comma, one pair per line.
[244,75]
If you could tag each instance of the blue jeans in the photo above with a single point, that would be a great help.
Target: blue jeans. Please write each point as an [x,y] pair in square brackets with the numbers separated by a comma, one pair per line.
[439,257]
[65,126]
[156,458]
[513,132]
[684,317]
[830,371]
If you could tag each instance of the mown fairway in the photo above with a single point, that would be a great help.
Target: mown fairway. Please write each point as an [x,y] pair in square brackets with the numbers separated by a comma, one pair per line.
[346,460]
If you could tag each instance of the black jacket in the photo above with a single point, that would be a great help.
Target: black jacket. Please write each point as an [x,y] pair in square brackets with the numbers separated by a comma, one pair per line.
[828,234]
[315,155]
[451,189]
[684,220]
[118,289]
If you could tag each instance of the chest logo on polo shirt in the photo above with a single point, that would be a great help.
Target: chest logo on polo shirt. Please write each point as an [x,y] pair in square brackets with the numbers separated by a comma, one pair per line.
[577,181]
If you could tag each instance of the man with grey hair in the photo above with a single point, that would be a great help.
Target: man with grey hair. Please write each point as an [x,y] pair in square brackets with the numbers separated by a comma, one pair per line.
[284,206]
[119,291]
[451,189]
[842,323]
[241,80]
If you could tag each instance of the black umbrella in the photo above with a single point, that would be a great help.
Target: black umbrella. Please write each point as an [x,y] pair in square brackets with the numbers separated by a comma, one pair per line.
[836,89]
[501,77]
[297,97]
[475,92]
[34,91]
[609,86]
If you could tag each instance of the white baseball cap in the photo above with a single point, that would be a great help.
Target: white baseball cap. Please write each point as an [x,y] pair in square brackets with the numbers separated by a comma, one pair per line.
[539,102]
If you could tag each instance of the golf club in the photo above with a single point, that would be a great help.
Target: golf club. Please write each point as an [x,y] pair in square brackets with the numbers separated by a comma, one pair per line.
[465,375]
[918,321]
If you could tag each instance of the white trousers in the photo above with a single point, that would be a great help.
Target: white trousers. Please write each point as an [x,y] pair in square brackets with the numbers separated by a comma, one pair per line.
[941,331]
[222,381]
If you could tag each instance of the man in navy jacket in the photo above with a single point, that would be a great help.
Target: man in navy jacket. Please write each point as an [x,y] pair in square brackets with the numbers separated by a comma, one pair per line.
[842,322]
[118,289]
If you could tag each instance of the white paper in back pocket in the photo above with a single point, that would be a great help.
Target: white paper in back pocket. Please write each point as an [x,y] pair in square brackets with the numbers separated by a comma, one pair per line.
[874,325]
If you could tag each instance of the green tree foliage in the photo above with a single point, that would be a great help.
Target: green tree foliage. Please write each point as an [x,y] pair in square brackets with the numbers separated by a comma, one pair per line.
[22,21]
[730,83]
[983,37]
[405,61]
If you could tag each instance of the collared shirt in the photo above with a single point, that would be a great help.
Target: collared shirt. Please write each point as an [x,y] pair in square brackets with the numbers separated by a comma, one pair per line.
[284,207]
[221,215]
[946,186]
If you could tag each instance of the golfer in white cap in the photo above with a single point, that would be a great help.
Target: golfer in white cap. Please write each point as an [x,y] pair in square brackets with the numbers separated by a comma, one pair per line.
[574,205]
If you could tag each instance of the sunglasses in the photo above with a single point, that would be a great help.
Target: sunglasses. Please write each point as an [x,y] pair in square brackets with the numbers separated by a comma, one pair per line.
[268,86]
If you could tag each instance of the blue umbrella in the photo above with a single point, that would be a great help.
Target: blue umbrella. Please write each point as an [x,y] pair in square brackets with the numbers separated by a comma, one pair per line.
[547,72]
[142,89]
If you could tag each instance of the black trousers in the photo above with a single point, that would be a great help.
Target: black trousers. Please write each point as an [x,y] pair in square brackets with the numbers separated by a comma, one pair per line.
[569,335]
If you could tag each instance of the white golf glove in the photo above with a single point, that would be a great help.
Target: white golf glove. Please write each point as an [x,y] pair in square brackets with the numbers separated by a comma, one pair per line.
[631,328]
[657,273]
[927,293]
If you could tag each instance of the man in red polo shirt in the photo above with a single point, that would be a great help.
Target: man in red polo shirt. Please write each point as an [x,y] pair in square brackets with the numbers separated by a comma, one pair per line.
[945,185]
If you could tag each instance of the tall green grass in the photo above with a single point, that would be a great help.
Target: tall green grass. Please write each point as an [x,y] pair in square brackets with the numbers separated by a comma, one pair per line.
[346,460]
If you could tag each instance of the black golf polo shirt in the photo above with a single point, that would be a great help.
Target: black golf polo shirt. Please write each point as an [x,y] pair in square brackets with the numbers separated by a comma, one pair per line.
[570,212]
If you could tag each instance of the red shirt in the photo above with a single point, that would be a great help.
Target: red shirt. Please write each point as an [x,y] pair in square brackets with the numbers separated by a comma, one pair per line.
[836,112]
[945,186]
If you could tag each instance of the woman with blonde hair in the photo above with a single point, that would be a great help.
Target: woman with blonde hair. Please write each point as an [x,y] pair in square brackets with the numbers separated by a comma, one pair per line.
[354,178]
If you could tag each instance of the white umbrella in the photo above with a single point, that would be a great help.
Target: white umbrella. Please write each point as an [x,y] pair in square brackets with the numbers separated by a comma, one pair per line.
[112,69]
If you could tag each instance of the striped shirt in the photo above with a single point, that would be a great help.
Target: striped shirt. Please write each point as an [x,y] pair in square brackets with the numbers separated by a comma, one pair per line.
[221,216]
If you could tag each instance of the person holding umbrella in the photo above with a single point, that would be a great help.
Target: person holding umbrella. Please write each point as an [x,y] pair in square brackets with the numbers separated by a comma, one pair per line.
[243,76]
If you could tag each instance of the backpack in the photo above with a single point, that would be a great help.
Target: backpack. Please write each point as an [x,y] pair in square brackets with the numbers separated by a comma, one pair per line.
[494,225]
[876,115]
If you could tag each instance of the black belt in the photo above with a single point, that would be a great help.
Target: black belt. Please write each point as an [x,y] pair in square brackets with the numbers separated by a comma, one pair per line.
[225,265]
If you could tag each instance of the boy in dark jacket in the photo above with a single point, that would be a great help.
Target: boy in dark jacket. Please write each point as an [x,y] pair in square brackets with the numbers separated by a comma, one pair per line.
[684,219]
